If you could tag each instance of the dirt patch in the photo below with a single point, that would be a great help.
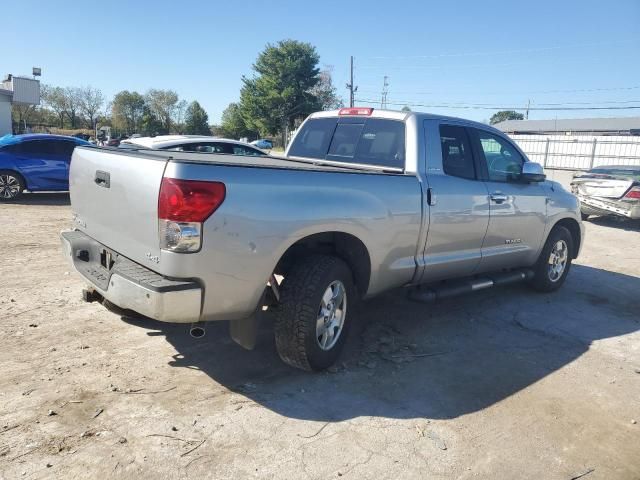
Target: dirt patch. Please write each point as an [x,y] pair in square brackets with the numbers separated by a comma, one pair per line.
[506,383]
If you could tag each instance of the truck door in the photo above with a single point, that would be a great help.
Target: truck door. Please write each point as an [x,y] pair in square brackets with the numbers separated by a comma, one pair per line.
[517,210]
[457,202]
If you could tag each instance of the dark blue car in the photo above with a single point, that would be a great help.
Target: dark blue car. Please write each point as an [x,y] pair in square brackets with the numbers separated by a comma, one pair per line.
[35,162]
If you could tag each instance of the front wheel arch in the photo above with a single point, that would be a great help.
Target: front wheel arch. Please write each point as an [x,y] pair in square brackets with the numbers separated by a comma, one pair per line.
[19,176]
[574,229]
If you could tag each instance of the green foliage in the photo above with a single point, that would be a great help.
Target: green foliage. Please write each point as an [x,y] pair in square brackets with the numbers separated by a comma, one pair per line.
[281,90]
[406,108]
[162,104]
[127,111]
[196,120]
[233,123]
[55,99]
[505,115]
[150,125]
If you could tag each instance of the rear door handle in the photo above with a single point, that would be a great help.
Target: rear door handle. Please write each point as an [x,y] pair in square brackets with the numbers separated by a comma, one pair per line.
[498,197]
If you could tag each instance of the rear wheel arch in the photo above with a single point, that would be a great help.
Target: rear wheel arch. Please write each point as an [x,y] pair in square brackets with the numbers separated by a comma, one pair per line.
[343,245]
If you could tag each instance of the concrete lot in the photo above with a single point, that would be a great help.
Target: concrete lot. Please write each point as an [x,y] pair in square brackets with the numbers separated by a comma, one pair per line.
[503,384]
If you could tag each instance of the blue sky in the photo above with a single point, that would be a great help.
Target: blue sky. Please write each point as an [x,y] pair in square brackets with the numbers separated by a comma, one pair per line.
[438,54]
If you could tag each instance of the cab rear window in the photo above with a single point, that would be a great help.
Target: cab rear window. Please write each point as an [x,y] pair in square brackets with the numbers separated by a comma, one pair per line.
[371,141]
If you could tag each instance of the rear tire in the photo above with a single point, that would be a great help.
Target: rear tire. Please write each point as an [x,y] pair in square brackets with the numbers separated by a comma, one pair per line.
[312,319]
[554,263]
[11,185]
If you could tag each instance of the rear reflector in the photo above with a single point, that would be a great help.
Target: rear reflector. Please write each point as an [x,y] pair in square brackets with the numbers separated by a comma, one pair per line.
[355,111]
[189,200]
[634,193]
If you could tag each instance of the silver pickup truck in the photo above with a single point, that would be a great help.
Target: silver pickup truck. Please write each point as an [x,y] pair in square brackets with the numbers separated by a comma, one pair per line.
[362,202]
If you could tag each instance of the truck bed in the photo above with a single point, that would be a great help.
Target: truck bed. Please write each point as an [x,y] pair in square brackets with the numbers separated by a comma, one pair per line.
[270,204]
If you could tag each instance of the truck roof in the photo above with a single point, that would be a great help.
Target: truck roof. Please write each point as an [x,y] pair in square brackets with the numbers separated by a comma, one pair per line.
[403,116]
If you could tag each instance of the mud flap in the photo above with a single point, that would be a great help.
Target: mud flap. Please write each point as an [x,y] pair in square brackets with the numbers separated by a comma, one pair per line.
[245,332]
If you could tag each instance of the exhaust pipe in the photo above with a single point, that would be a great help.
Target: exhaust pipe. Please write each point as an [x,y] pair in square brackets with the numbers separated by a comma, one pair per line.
[197,330]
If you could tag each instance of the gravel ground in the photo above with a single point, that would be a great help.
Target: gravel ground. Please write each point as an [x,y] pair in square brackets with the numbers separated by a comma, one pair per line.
[505,383]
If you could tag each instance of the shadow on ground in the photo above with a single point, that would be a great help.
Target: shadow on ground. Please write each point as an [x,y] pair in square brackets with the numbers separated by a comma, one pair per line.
[43,198]
[407,360]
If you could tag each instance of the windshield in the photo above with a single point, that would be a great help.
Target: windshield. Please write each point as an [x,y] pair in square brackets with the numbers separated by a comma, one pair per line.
[365,141]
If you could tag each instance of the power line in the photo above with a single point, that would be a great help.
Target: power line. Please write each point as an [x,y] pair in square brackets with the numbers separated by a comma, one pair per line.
[501,52]
[534,92]
[497,107]
[560,104]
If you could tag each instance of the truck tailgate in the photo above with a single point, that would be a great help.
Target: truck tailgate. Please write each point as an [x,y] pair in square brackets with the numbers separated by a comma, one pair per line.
[114,197]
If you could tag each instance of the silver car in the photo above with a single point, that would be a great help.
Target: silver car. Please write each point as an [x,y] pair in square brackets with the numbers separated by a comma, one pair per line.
[609,190]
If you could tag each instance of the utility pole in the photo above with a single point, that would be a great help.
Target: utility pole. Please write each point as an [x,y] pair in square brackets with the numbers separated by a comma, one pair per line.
[350,86]
[526,116]
[385,91]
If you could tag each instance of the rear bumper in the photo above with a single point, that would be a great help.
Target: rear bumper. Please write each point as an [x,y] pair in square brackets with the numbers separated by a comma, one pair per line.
[597,206]
[131,286]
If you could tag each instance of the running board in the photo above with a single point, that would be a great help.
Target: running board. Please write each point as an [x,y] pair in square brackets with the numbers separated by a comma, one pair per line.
[434,292]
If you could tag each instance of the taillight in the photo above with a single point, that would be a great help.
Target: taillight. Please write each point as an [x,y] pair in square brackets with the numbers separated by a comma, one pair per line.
[633,194]
[182,207]
[355,111]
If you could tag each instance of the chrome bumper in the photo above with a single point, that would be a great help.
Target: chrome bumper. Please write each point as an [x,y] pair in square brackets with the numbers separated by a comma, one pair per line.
[131,286]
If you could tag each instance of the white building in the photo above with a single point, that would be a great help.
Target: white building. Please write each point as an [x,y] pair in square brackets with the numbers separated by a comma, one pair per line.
[19,91]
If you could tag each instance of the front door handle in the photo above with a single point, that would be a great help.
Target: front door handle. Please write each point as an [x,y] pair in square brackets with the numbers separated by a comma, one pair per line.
[498,197]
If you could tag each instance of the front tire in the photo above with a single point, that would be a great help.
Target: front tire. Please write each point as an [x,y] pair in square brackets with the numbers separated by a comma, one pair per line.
[11,185]
[554,262]
[312,319]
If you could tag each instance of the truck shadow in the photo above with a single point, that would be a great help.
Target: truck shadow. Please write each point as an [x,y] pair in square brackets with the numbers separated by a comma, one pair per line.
[408,360]
[43,198]
[615,222]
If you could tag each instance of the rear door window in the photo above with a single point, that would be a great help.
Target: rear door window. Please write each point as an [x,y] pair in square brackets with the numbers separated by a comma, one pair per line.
[368,141]
[64,148]
[457,159]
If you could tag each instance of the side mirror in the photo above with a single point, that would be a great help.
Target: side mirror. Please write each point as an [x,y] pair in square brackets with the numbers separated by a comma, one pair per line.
[532,172]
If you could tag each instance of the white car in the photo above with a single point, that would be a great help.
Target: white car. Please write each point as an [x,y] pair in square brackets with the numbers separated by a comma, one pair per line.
[193,143]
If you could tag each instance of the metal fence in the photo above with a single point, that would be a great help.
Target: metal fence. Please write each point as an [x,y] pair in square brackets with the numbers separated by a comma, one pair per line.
[578,152]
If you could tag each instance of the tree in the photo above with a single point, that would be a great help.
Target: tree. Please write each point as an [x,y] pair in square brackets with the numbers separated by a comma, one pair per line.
[127,110]
[406,108]
[179,116]
[91,101]
[162,104]
[233,124]
[150,124]
[281,90]
[56,100]
[503,115]
[72,104]
[325,92]
[196,120]
[21,114]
